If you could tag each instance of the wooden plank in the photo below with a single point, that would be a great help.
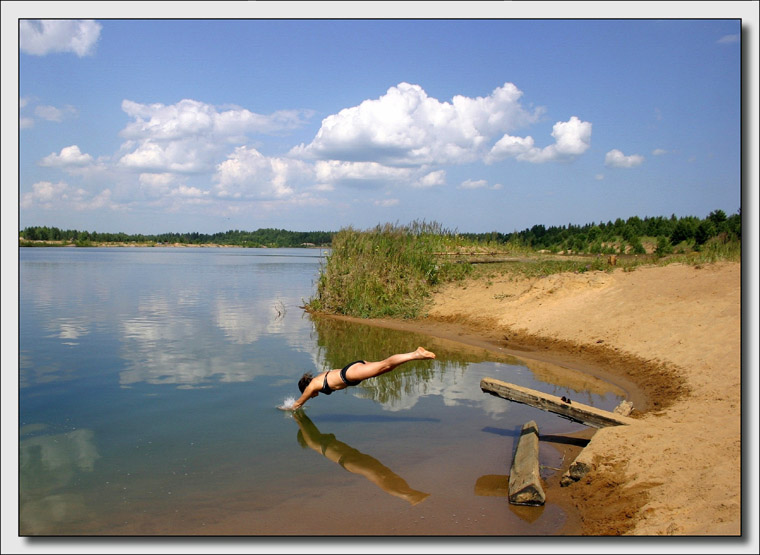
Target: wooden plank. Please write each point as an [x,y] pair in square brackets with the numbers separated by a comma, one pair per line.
[578,412]
[524,476]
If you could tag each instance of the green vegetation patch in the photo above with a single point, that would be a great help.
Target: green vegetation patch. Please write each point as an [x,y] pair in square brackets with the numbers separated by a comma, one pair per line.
[385,272]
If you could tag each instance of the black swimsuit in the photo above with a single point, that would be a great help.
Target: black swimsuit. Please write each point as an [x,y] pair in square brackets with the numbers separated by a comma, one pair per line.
[326,388]
[343,373]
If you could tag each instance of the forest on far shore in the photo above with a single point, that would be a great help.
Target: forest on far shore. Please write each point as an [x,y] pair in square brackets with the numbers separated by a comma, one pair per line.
[612,237]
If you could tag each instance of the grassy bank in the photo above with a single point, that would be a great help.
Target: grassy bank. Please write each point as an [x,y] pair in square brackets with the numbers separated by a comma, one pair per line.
[390,271]
[387,271]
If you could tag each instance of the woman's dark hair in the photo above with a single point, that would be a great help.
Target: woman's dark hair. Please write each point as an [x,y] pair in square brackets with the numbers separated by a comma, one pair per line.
[304,381]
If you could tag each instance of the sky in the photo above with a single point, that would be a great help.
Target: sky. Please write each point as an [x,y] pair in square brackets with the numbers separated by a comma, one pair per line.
[157,125]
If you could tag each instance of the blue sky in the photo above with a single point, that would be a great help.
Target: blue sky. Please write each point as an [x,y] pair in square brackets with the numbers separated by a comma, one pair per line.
[150,126]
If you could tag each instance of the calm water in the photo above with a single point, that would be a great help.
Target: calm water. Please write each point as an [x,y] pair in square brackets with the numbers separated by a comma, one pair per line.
[148,381]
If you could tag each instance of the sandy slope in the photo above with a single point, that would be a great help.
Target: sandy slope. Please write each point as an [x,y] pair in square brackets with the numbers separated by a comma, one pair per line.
[676,331]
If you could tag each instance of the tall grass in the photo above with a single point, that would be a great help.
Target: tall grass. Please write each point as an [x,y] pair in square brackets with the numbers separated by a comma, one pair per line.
[387,271]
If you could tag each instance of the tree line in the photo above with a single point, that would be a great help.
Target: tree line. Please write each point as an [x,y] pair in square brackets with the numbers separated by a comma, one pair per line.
[265,237]
[624,235]
[593,238]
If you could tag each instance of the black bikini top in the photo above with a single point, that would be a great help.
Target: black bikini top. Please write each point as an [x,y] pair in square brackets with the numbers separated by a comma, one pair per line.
[326,388]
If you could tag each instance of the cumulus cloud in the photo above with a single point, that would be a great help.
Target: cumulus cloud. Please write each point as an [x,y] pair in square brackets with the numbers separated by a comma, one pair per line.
[69,156]
[571,138]
[431,179]
[156,185]
[190,136]
[405,127]
[617,159]
[193,153]
[40,37]
[157,179]
[360,174]
[248,174]
[57,196]
[193,118]
[189,155]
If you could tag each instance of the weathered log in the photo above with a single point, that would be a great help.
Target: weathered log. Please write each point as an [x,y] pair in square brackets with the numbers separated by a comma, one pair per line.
[578,412]
[524,477]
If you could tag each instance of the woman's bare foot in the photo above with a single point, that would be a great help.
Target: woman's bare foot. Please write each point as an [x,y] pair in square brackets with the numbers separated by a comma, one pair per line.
[424,353]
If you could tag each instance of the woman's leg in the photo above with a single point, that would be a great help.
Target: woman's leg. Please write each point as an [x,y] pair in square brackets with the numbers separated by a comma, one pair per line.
[372,369]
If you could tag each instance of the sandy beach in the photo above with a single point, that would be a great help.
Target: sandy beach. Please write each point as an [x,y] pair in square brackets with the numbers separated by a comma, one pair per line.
[674,332]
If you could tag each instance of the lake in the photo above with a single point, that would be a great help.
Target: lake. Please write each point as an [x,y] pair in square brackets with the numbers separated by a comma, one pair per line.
[148,385]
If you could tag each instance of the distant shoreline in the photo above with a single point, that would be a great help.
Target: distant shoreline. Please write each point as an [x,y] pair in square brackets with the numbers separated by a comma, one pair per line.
[68,244]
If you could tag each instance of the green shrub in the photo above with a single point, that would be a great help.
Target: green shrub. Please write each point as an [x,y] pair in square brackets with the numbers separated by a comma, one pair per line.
[387,271]
[663,246]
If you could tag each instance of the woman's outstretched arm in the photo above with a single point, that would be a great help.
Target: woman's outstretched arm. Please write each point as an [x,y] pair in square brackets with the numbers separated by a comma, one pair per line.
[308,393]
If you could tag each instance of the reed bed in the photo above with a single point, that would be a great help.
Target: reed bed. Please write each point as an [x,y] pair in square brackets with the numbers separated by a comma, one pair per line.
[387,271]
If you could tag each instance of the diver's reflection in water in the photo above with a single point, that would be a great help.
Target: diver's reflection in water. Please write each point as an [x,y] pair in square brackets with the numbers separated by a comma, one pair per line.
[354,461]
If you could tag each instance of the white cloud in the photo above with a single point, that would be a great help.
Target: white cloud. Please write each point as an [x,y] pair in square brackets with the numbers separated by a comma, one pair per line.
[43,193]
[51,113]
[406,127]
[431,179]
[479,184]
[157,185]
[617,159]
[189,118]
[599,176]
[61,196]
[659,151]
[25,123]
[473,184]
[191,155]
[728,39]
[360,174]
[157,179]
[69,156]
[40,37]
[572,138]
[248,174]
[189,136]
[188,192]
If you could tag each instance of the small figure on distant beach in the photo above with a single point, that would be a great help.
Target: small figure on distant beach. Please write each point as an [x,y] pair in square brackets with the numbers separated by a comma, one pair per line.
[351,374]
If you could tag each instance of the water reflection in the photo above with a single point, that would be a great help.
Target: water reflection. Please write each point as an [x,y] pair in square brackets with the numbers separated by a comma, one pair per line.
[178,317]
[173,340]
[451,377]
[48,466]
[339,340]
[245,323]
[354,460]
